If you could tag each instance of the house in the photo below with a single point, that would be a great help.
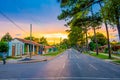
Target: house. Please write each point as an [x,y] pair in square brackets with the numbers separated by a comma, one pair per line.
[23,47]
[48,49]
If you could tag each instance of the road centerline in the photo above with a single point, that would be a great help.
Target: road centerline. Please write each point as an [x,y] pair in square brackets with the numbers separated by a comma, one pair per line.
[78,66]
[93,67]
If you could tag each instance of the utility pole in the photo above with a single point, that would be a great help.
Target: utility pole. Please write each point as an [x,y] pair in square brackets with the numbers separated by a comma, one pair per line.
[30,40]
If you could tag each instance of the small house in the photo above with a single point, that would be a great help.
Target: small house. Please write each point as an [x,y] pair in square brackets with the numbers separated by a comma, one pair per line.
[23,47]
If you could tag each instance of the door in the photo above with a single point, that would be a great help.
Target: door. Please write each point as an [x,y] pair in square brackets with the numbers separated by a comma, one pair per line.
[13,50]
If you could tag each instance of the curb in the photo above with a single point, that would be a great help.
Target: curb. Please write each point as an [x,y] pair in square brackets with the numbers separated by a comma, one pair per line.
[22,62]
[33,61]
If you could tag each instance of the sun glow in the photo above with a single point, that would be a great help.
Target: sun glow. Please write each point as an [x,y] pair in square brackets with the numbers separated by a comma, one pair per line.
[53,38]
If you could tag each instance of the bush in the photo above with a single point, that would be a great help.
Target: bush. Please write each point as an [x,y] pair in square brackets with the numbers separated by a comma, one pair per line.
[92,46]
[3,47]
[106,50]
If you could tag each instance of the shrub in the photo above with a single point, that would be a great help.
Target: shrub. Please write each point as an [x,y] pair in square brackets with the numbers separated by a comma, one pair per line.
[92,46]
[106,50]
[3,47]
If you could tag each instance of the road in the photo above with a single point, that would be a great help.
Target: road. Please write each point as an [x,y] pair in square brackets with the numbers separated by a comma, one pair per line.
[71,65]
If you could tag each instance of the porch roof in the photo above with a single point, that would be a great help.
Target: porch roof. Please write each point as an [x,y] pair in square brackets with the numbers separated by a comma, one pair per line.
[47,47]
[28,41]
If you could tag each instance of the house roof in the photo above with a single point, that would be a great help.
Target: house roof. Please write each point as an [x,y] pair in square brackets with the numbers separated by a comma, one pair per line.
[47,47]
[28,41]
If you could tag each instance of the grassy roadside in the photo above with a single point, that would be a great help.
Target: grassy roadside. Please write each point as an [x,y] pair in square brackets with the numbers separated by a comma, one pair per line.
[54,53]
[104,57]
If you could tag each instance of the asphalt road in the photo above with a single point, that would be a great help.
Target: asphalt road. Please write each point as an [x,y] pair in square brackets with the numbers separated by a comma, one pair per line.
[71,65]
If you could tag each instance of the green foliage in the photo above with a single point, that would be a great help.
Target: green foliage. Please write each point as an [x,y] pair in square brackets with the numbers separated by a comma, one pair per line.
[32,38]
[7,37]
[92,46]
[65,44]
[106,50]
[4,47]
[77,15]
[101,56]
[101,39]
[111,12]
[117,61]
[76,36]
[43,41]
[28,38]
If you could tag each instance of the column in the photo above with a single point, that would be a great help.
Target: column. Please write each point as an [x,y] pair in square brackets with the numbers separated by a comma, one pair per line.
[33,49]
[28,50]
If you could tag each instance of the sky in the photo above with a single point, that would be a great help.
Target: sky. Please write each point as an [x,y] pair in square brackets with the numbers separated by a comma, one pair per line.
[42,14]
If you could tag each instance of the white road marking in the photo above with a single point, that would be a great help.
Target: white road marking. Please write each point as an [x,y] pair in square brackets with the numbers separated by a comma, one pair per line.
[93,67]
[56,78]
[115,70]
[78,66]
[77,56]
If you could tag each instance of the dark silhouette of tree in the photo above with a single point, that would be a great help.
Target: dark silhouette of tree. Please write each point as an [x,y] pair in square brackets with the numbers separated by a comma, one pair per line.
[43,41]
[7,37]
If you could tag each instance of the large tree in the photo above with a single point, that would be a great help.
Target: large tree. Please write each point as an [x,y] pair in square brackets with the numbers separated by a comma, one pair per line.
[75,36]
[70,8]
[32,38]
[43,41]
[111,11]
[101,39]
[7,37]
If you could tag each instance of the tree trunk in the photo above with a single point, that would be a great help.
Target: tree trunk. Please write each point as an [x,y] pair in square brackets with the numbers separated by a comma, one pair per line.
[86,41]
[118,28]
[118,23]
[95,40]
[95,34]
[108,42]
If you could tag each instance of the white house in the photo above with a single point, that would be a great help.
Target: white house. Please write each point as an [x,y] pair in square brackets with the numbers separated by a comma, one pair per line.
[21,46]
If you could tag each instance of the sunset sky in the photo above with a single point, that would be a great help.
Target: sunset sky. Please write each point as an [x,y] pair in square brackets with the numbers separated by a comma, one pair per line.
[42,14]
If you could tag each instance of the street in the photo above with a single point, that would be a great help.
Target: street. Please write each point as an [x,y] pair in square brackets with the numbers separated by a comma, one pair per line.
[71,65]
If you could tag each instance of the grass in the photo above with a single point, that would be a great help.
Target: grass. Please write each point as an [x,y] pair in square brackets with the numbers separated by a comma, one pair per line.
[102,56]
[117,61]
[53,53]
[116,55]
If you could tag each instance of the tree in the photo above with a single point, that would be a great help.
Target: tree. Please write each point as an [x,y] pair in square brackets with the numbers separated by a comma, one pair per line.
[33,39]
[7,37]
[111,11]
[71,8]
[76,9]
[65,43]
[101,39]
[4,47]
[75,36]
[106,26]
[92,46]
[43,41]
[28,38]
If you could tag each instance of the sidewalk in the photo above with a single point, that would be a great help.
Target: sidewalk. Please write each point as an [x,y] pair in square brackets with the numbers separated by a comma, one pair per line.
[36,58]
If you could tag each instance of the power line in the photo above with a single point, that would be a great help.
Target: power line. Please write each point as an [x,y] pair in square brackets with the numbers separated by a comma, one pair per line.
[11,21]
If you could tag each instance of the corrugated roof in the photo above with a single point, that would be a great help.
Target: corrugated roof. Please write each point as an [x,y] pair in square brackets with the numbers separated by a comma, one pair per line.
[28,41]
